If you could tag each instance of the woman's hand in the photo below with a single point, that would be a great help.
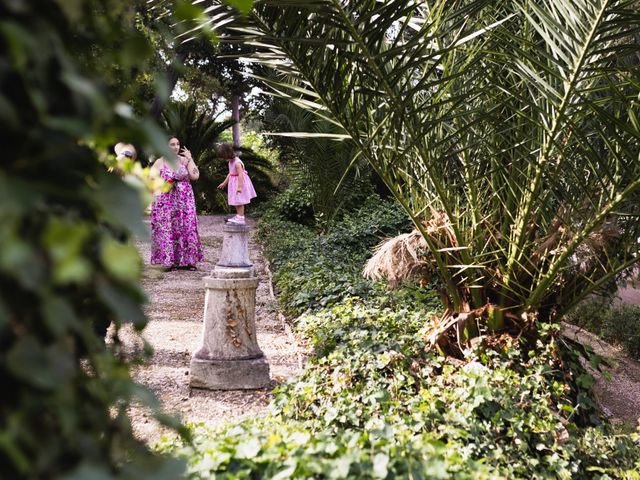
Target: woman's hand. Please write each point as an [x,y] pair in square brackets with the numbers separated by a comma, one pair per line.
[222,185]
[184,151]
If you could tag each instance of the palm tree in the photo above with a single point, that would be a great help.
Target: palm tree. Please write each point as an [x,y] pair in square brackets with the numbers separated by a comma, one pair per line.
[507,129]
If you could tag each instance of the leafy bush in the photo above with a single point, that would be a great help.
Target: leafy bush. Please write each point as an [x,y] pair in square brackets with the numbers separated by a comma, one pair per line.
[294,205]
[68,267]
[313,271]
[615,323]
[373,404]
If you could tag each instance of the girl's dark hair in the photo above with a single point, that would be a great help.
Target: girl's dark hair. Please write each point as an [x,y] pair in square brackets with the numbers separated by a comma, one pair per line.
[169,137]
[226,150]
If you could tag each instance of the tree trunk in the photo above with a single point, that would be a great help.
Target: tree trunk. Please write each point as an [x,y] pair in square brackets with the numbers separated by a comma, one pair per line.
[157,104]
[235,115]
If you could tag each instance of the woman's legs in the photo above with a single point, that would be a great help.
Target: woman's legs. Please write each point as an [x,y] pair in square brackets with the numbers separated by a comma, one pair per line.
[240,210]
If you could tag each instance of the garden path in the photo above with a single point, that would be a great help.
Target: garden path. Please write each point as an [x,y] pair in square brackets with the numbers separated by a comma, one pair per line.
[175,312]
[619,397]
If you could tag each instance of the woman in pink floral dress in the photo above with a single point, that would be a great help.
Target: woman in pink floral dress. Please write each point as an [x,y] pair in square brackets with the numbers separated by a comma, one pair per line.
[175,242]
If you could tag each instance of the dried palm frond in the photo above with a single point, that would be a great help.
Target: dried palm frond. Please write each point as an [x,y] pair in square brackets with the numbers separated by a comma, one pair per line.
[407,256]
[398,259]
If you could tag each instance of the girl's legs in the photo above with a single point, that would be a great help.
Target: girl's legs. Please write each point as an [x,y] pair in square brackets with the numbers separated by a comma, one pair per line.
[239,218]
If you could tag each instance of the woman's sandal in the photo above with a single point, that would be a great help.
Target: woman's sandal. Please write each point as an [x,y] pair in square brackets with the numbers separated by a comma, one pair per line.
[191,268]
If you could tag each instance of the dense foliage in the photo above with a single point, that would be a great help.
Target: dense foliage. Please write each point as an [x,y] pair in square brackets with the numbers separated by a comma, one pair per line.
[313,271]
[373,403]
[68,266]
[326,172]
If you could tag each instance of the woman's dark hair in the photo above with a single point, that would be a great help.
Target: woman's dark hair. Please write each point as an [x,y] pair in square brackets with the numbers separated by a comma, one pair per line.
[225,150]
[169,137]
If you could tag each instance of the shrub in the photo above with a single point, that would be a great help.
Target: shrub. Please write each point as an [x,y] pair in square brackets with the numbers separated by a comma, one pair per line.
[615,323]
[373,404]
[294,205]
[313,271]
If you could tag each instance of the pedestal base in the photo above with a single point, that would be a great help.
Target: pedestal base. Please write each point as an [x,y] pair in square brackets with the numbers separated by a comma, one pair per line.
[229,374]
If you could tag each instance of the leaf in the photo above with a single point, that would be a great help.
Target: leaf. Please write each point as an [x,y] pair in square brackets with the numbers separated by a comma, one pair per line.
[380,465]
[59,315]
[121,302]
[65,241]
[244,6]
[341,467]
[8,114]
[120,260]
[43,367]
[121,204]
[286,472]
[72,9]
[248,448]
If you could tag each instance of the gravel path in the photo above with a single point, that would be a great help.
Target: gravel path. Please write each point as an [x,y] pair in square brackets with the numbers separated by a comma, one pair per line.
[618,397]
[175,312]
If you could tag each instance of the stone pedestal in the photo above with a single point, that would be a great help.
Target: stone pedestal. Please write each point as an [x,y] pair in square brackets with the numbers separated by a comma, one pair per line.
[229,357]
[235,246]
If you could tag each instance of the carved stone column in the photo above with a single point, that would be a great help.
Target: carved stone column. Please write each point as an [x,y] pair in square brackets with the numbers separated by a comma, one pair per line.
[229,357]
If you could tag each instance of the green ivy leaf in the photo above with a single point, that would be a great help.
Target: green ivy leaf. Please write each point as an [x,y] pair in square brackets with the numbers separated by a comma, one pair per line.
[380,465]
[248,449]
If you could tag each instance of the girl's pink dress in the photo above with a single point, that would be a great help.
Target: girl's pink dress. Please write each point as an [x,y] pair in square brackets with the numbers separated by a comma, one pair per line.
[247,193]
[174,225]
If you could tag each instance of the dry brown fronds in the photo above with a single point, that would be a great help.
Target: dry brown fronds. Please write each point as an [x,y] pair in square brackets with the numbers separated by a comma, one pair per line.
[398,259]
[407,256]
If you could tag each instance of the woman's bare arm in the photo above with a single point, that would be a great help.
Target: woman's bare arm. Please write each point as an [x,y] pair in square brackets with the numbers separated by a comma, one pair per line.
[194,173]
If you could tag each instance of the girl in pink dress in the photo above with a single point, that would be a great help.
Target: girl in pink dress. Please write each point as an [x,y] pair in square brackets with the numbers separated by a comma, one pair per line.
[240,191]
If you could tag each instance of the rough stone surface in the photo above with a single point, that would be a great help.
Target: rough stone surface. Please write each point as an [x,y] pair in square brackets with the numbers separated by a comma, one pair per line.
[229,357]
[229,331]
[230,374]
[235,246]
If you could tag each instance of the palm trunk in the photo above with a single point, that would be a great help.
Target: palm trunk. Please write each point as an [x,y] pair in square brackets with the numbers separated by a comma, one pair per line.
[158,102]
[235,115]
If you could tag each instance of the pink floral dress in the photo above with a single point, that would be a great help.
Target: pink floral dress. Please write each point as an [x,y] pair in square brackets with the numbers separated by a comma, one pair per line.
[248,192]
[174,224]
